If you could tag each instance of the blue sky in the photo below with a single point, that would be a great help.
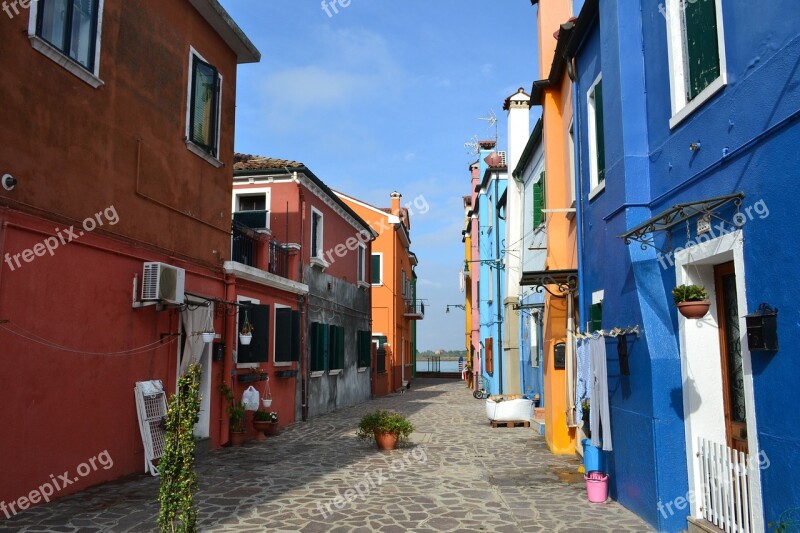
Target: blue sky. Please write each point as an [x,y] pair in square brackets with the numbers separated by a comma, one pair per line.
[381,97]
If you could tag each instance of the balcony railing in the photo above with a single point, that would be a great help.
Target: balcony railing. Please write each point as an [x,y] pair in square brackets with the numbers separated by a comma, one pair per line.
[415,309]
[248,246]
[252,219]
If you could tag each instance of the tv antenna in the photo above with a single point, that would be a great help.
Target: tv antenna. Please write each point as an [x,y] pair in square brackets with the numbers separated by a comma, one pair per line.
[492,121]
[473,146]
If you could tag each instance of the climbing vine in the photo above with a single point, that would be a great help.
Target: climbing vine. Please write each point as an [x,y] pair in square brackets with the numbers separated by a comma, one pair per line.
[176,468]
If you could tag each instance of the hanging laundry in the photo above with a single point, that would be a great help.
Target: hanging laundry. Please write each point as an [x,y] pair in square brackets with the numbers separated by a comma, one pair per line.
[583,383]
[600,415]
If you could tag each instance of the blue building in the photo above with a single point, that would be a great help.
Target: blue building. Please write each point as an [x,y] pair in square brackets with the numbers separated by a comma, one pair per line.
[686,121]
[491,191]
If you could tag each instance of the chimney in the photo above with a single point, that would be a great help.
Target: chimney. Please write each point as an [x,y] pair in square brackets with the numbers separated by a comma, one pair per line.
[396,203]
[518,106]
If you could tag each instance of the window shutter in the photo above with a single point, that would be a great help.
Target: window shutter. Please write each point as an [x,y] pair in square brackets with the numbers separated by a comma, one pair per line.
[258,349]
[538,201]
[376,269]
[296,336]
[702,47]
[490,355]
[319,339]
[340,347]
[283,335]
[600,132]
[596,317]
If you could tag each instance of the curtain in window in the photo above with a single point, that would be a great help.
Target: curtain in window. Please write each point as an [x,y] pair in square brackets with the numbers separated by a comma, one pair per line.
[204,105]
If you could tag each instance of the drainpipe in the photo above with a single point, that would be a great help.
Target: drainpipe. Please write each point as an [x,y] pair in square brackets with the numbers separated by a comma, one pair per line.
[582,310]
[304,356]
[499,288]
[229,332]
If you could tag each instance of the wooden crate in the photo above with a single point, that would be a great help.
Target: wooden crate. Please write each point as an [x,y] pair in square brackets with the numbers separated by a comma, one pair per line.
[513,424]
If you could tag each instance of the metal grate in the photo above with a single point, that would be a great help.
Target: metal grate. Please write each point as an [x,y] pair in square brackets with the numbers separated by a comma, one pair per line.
[151,406]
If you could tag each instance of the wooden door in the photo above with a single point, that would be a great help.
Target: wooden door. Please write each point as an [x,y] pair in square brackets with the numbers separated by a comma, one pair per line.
[731,357]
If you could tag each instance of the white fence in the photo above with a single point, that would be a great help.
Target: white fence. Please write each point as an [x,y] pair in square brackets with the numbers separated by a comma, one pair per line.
[725,498]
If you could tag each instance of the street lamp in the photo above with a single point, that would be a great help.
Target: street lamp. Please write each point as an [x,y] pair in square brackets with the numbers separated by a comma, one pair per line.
[462,307]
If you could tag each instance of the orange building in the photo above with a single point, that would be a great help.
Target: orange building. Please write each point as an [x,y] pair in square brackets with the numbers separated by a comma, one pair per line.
[394,301]
[554,93]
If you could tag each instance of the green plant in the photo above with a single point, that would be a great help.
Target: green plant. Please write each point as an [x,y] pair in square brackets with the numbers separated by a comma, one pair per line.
[236,411]
[788,522]
[266,416]
[176,468]
[689,293]
[247,327]
[585,404]
[384,422]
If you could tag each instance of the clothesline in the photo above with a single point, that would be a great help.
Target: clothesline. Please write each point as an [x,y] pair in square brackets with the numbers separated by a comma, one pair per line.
[616,332]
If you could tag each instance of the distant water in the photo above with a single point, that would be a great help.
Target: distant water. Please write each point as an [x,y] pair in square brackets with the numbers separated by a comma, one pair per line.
[444,366]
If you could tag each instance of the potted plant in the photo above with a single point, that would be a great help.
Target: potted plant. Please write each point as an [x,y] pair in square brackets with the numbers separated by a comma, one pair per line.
[236,416]
[208,334]
[692,300]
[265,422]
[246,334]
[386,428]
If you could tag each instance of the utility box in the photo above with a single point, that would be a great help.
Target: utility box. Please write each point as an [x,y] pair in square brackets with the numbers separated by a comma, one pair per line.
[762,329]
[560,356]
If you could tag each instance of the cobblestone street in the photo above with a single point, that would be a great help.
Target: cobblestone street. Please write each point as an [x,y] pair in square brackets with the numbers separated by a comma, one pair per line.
[458,474]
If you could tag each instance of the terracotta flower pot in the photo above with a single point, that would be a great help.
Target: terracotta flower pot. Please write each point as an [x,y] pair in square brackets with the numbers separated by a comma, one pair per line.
[263,428]
[694,310]
[385,440]
[237,439]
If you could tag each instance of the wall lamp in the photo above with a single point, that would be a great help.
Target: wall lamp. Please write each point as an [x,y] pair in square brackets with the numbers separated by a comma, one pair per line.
[462,307]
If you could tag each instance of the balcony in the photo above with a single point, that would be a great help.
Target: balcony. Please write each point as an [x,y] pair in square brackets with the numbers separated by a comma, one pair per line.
[258,250]
[252,219]
[414,309]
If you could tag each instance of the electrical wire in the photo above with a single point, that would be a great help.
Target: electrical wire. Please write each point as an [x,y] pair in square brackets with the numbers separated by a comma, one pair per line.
[50,344]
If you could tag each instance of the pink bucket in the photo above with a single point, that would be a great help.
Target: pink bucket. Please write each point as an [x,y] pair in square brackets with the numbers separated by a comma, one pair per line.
[596,486]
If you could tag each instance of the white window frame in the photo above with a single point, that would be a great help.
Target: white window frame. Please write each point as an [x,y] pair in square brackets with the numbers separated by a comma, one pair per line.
[40,45]
[320,236]
[681,108]
[595,185]
[571,157]
[237,193]
[379,284]
[362,264]
[215,161]
[254,301]
[403,282]
[274,312]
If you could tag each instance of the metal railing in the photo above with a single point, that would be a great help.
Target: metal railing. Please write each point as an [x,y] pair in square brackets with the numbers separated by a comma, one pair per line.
[245,245]
[415,307]
[252,219]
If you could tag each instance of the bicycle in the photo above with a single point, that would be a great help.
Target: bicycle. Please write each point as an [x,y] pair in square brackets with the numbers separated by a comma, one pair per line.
[483,392]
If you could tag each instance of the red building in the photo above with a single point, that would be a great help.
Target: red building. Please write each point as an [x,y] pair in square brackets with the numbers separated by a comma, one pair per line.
[284,202]
[118,146]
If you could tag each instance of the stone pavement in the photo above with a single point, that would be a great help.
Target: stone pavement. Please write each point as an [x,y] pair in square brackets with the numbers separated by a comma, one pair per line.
[458,474]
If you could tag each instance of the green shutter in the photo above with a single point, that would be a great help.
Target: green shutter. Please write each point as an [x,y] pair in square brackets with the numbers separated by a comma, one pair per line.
[319,346]
[340,347]
[539,201]
[596,317]
[335,348]
[702,46]
[599,132]
[376,269]
[283,335]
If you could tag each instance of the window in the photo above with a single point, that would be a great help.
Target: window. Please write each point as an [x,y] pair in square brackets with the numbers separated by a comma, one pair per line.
[377,264]
[205,85]
[287,335]
[696,48]
[316,233]
[571,156]
[489,355]
[258,349]
[539,201]
[252,202]
[336,348]
[71,27]
[597,143]
[380,359]
[319,346]
[403,283]
[362,263]
[364,349]
[252,210]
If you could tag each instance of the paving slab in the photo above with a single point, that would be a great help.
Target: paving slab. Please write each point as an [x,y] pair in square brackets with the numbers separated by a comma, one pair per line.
[456,474]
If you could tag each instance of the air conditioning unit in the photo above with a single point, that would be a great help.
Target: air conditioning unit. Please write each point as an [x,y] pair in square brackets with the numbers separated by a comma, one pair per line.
[163,282]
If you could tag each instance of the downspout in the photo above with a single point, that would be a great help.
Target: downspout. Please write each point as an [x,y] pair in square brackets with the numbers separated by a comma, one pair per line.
[582,310]
[304,357]
[229,332]
[499,297]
